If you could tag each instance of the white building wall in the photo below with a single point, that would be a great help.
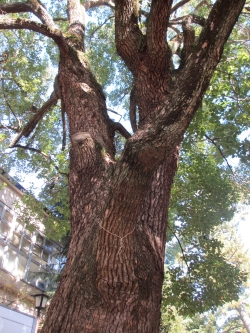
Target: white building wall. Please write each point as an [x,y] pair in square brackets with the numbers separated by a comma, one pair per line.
[24,257]
[8,193]
[12,321]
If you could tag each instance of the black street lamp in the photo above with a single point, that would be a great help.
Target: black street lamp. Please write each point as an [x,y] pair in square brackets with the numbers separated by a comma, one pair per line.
[40,304]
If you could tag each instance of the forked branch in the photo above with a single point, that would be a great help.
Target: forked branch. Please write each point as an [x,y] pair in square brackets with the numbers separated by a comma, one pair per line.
[156,139]
[26,131]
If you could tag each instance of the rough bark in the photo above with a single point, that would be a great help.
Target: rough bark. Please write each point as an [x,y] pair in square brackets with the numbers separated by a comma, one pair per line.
[114,272]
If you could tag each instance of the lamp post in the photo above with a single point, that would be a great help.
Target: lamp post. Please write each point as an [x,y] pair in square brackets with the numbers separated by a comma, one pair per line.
[40,304]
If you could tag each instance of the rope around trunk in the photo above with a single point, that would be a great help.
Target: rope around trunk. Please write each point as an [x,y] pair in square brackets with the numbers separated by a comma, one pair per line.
[121,238]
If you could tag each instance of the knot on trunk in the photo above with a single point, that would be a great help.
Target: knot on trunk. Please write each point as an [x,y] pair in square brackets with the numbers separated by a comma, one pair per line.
[79,137]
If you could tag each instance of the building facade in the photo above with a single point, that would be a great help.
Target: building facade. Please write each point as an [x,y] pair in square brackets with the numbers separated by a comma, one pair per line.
[27,258]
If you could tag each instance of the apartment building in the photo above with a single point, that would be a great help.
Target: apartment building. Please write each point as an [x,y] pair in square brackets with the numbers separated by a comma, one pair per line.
[27,258]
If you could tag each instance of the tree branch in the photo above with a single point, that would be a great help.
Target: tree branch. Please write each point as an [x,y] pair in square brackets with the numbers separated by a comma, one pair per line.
[187,36]
[9,127]
[9,106]
[113,111]
[41,12]
[218,27]
[33,7]
[117,127]
[63,129]
[58,19]
[61,173]
[195,19]
[26,131]
[178,5]
[76,14]
[171,26]
[188,39]
[220,151]
[18,7]
[175,44]
[132,109]
[157,24]
[93,4]
[100,26]
[15,81]
[33,150]
[203,3]
[182,250]
[7,23]
[128,36]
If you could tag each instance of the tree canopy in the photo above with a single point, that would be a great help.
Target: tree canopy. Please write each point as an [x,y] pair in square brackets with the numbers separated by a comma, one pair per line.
[35,126]
[217,319]
[28,69]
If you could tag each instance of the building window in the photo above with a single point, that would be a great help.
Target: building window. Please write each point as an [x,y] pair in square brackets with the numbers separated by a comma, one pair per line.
[16,239]
[21,266]
[14,263]
[25,246]
[26,257]
[5,221]
[39,239]
[19,225]
[44,252]
[8,216]
[38,276]
[10,258]
[4,230]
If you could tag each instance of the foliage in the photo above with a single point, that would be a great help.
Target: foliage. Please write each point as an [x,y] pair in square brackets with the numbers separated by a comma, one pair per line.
[179,317]
[33,213]
[207,188]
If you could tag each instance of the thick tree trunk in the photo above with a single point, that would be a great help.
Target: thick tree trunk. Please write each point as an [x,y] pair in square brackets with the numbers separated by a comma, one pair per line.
[115,263]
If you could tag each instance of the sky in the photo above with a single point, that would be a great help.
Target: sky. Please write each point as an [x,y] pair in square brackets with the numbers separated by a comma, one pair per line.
[244,225]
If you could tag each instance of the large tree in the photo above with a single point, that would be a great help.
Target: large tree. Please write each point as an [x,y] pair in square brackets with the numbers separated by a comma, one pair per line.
[113,277]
